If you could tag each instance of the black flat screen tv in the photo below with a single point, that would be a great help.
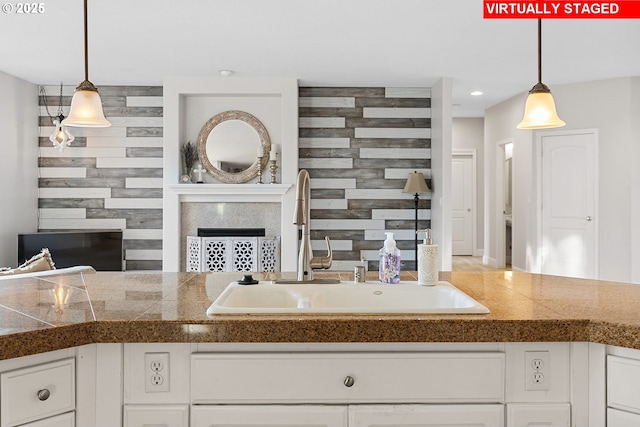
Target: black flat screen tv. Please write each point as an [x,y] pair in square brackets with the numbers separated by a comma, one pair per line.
[100,249]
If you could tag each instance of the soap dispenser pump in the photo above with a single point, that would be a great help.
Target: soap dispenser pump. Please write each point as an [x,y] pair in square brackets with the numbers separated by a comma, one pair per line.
[427,261]
[389,262]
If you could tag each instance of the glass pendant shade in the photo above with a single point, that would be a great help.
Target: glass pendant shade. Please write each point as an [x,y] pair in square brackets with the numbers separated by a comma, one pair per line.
[540,110]
[61,137]
[86,108]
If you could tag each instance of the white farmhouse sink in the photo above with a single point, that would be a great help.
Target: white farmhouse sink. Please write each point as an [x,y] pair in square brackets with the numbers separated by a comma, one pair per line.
[345,297]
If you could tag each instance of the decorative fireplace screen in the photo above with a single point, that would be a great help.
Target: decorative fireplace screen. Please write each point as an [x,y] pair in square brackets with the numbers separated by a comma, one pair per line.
[228,254]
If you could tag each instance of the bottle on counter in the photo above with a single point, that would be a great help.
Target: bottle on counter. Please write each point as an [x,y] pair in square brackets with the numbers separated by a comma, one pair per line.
[427,261]
[389,265]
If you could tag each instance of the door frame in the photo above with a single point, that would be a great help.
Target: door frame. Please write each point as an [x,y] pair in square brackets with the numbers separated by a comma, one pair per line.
[500,222]
[596,190]
[471,152]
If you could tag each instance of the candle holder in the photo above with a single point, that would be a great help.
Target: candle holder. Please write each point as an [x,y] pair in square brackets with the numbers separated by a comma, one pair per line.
[273,167]
[260,170]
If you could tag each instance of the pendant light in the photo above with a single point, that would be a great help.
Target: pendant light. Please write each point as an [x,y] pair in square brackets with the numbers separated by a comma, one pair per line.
[61,137]
[540,108]
[86,105]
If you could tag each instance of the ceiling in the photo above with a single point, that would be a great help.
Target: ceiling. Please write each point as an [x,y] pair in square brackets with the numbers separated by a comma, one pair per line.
[319,42]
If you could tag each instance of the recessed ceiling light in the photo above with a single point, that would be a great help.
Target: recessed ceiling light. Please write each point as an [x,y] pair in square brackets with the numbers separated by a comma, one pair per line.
[476,93]
[226,73]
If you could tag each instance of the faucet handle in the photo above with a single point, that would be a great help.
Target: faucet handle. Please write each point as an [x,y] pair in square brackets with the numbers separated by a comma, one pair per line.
[323,262]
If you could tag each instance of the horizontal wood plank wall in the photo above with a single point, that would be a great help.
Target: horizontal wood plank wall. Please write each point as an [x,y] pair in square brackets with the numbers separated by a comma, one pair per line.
[110,178]
[359,146]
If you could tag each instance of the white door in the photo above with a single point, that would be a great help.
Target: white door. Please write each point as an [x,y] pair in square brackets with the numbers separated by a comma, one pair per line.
[462,184]
[569,188]
[426,415]
[268,416]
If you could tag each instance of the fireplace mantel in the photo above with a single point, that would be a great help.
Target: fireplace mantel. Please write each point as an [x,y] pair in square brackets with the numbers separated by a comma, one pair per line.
[188,103]
[231,192]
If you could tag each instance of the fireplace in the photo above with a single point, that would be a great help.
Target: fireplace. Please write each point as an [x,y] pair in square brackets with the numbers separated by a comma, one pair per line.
[268,206]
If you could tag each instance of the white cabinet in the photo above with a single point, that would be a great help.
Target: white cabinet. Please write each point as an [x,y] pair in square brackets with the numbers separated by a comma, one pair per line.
[616,418]
[489,415]
[623,390]
[37,392]
[268,416]
[156,415]
[347,377]
[426,415]
[539,414]
[267,389]
[64,420]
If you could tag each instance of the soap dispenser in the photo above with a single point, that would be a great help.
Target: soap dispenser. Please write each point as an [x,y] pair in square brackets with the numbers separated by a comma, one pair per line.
[389,265]
[427,261]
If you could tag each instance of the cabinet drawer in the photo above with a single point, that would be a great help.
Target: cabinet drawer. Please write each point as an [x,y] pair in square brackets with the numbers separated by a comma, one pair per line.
[269,416]
[64,420]
[426,415]
[623,383]
[347,377]
[616,418]
[36,392]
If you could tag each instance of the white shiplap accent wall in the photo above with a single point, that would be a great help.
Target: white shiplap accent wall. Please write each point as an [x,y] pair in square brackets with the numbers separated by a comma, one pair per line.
[359,145]
[110,178]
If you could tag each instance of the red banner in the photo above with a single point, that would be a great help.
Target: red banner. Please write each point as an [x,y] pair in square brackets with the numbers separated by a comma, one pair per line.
[624,9]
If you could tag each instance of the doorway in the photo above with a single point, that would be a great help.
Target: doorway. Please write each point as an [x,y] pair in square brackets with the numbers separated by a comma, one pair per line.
[463,206]
[568,193]
[503,204]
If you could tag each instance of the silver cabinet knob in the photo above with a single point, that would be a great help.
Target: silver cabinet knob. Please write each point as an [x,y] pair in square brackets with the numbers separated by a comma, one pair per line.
[589,218]
[349,381]
[43,394]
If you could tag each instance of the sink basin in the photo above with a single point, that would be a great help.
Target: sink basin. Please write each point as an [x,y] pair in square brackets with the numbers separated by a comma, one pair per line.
[344,297]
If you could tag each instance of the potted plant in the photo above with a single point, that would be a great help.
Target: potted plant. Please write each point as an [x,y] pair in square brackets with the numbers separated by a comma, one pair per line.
[189,158]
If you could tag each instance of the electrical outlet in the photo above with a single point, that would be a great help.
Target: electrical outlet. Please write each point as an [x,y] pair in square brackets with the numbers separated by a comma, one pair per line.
[537,370]
[156,372]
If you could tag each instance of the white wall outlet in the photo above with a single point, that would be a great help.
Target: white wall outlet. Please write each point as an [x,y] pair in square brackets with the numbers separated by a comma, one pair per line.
[537,370]
[157,372]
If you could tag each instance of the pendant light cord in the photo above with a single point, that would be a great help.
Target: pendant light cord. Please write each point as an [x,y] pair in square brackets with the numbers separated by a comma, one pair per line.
[539,49]
[86,45]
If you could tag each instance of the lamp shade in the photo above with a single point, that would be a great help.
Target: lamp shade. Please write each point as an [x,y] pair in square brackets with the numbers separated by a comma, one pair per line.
[416,184]
[540,110]
[86,109]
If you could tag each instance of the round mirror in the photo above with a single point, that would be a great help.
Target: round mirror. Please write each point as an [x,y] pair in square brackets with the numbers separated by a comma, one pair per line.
[228,146]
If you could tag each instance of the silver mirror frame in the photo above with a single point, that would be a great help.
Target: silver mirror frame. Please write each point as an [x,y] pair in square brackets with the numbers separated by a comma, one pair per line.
[228,177]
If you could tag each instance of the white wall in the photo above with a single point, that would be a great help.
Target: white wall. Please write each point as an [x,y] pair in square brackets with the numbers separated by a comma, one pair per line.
[635,182]
[608,106]
[441,167]
[18,163]
[468,133]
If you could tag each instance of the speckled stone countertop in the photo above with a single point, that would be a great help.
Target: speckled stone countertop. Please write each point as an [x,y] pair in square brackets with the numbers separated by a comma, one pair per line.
[114,307]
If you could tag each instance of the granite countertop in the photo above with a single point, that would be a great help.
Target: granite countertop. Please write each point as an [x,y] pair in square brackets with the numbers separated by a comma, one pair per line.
[115,307]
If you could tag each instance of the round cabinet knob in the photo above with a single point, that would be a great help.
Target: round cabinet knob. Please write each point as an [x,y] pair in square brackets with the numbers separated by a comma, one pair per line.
[589,218]
[43,394]
[349,381]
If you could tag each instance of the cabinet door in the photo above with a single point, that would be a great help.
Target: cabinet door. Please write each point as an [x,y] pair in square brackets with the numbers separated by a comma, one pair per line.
[538,414]
[268,416]
[156,415]
[426,415]
[64,420]
[616,418]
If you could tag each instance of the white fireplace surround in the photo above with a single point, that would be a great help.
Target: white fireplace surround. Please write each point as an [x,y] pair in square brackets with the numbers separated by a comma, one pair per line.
[217,95]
